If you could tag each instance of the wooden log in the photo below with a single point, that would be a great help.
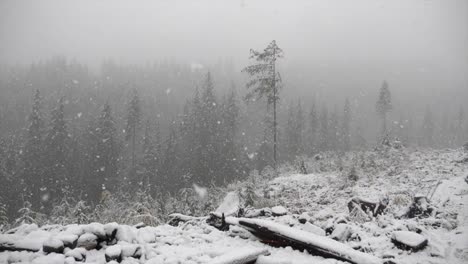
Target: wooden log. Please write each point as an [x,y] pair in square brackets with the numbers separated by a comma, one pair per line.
[375,208]
[177,218]
[281,236]
[13,247]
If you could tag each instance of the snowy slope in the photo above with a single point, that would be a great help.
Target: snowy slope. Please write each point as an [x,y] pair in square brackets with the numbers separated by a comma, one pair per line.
[315,202]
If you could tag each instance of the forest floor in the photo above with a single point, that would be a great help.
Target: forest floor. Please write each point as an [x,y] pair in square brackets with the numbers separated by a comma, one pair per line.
[314,202]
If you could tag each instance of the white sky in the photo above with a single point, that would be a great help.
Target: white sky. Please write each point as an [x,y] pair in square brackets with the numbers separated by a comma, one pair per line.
[328,31]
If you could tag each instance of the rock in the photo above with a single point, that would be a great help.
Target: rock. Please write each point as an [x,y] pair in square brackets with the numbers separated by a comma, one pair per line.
[279,211]
[87,241]
[114,253]
[79,254]
[341,232]
[131,250]
[53,245]
[97,229]
[303,218]
[139,225]
[69,240]
[111,229]
[407,240]
[313,229]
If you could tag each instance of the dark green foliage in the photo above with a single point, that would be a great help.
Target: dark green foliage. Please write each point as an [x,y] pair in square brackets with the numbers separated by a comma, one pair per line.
[384,105]
[33,153]
[57,149]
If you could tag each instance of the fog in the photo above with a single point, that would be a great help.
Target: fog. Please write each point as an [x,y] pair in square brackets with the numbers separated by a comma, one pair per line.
[129,111]
[334,32]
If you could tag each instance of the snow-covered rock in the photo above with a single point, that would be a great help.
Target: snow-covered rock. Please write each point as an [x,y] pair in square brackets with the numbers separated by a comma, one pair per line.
[114,253]
[69,240]
[341,232]
[53,245]
[131,250]
[279,210]
[87,241]
[409,240]
[97,229]
[78,254]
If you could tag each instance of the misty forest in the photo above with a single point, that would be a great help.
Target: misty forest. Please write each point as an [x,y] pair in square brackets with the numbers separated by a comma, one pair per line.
[274,145]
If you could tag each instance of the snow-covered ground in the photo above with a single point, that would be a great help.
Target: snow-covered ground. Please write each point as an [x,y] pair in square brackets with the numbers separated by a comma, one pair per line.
[313,203]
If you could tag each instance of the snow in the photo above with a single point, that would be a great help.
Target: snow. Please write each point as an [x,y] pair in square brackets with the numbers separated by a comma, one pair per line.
[114,251]
[321,242]
[408,238]
[77,253]
[229,205]
[87,240]
[240,256]
[312,229]
[53,243]
[200,191]
[312,202]
[279,210]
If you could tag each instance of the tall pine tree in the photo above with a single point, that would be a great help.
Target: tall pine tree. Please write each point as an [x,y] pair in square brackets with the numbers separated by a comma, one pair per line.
[384,106]
[57,146]
[33,154]
[131,131]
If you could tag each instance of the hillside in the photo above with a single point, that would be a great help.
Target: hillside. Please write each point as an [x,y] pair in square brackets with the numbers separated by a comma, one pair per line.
[316,202]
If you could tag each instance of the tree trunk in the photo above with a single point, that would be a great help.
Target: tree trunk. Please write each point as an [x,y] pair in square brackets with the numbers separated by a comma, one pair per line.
[274,110]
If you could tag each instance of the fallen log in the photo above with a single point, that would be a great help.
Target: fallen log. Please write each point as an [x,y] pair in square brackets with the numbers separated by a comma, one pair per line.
[13,247]
[177,218]
[373,207]
[279,235]
[241,256]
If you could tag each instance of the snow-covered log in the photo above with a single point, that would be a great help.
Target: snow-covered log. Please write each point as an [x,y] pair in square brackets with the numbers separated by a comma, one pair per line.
[280,235]
[5,246]
[240,256]
[373,207]
[177,218]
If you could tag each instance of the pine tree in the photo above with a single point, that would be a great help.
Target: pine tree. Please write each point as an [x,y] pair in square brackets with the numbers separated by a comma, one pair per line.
[313,129]
[133,123]
[384,106]
[57,146]
[324,132]
[150,162]
[33,154]
[106,154]
[460,123]
[231,163]
[208,135]
[359,139]
[428,128]
[346,127]
[170,179]
[290,134]
[265,82]
[334,132]
[299,127]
